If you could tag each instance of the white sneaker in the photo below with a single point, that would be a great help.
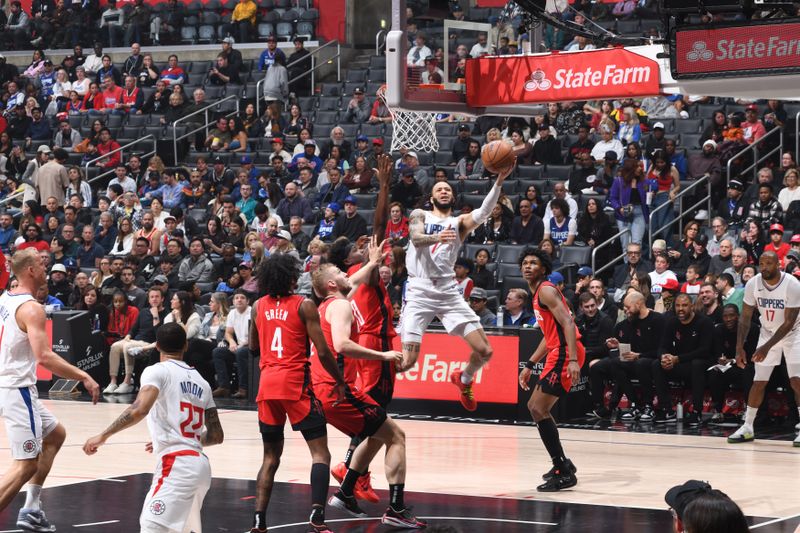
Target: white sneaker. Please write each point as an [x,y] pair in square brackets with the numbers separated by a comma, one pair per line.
[702,214]
[125,388]
[743,434]
[796,442]
[111,389]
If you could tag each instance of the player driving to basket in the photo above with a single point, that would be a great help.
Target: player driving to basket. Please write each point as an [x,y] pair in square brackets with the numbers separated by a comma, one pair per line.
[436,237]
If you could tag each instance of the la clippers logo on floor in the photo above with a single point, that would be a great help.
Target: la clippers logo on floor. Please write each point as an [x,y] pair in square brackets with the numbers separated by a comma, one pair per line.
[29,446]
[158,507]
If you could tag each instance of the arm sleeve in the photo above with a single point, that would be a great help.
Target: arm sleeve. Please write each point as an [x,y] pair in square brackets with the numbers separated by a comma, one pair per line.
[482,213]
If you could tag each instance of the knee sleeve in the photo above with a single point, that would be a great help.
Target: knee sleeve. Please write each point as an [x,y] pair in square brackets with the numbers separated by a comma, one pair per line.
[313,433]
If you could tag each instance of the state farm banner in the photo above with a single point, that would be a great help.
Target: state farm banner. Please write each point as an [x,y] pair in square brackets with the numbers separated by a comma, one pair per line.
[730,50]
[559,77]
[440,354]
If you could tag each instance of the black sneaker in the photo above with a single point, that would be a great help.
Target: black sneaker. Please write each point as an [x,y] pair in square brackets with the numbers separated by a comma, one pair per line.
[602,412]
[347,504]
[664,417]
[568,466]
[631,415]
[647,414]
[561,480]
[404,519]
[693,419]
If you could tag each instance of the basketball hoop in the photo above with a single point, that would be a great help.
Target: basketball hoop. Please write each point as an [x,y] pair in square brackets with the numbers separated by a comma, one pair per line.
[413,130]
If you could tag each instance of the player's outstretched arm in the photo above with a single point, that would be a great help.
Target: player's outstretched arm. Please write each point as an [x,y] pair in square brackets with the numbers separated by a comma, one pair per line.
[130,417]
[31,319]
[385,168]
[214,434]
[416,230]
[550,297]
[309,314]
[340,316]
[368,273]
[470,221]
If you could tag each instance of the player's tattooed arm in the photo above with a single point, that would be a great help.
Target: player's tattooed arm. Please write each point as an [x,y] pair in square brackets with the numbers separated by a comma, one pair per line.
[416,230]
[410,356]
[135,412]
[214,433]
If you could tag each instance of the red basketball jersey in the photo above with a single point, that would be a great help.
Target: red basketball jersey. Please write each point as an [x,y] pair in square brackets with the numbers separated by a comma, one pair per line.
[347,366]
[283,339]
[552,330]
[372,308]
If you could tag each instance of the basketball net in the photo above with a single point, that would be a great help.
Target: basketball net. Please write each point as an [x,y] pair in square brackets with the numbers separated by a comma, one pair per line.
[413,130]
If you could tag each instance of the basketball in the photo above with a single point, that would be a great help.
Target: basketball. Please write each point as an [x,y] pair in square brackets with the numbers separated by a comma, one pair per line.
[497,156]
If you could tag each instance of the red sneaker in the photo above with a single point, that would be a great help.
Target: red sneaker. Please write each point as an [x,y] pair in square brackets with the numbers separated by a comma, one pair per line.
[467,397]
[338,472]
[364,491]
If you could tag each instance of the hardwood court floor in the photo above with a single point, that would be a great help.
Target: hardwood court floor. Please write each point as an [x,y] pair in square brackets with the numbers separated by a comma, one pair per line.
[626,471]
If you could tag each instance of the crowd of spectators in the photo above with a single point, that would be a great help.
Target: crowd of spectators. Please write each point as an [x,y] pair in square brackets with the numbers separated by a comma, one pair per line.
[286,182]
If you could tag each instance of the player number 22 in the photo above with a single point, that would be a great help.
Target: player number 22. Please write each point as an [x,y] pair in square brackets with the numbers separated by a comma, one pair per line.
[194,416]
[277,343]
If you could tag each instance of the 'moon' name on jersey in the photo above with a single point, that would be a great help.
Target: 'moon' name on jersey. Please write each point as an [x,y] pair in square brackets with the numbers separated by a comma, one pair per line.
[436,260]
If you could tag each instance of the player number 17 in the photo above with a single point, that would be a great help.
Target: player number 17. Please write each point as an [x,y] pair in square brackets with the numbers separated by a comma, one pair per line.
[770,314]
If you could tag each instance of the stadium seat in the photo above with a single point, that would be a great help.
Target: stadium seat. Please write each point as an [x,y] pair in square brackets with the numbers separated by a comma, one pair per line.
[557,172]
[206,34]
[505,270]
[476,186]
[469,250]
[284,31]
[509,253]
[188,34]
[265,30]
[572,258]
[513,282]
[305,29]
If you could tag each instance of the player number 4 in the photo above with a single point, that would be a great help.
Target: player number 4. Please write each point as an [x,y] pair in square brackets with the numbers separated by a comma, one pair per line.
[277,343]
[194,416]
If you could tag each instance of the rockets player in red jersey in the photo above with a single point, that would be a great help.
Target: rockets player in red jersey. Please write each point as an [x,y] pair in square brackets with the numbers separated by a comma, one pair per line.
[280,330]
[372,310]
[359,415]
[565,356]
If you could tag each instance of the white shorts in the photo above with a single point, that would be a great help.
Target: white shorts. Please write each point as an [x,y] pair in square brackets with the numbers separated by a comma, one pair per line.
[27,421]
[787,347]
[428,299]
[176,495]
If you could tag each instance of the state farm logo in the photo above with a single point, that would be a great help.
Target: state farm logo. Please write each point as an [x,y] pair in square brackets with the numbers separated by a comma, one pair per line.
[700,52]
[609,75]
[538,81]
[431,369]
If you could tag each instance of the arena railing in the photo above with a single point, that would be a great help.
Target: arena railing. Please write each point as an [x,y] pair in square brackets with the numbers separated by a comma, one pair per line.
[121,149]
[757,160]
[380,41]
[705,179]
[175,138]
[602,245]
[315,64]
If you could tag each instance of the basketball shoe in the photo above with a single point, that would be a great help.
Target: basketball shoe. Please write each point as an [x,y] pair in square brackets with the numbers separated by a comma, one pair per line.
[796,442]
[404,519]
[562,479]
[348,504]
[568,465]
[34,520]
[743,434]
[467,397]
[363,489]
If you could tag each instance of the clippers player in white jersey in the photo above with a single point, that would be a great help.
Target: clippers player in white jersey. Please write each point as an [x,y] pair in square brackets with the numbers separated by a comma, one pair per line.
[776,295]
[182,419]
[34,433]
[432,291]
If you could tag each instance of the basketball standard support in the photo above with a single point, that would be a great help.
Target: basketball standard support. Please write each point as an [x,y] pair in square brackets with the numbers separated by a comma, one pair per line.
[453,99]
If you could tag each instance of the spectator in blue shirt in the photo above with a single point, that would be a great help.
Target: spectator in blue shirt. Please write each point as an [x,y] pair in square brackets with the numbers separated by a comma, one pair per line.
[306,159]
[39,128]
[293,205]
[243,178]
[268,56]
[677,159]
[171,193]
[106,231]
[89,252]
[7,232]
[335,191]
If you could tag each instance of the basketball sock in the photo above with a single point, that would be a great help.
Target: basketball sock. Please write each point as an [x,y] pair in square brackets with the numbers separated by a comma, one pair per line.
[260,520]
[467,374]
[549,433]
[396,496]
[317,514]
[348,456]
[32,497]
[750,415]
[320,481]
[349,482]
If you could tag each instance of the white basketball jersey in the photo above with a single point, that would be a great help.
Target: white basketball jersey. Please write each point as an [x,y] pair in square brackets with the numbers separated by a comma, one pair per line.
[177,419]
[437,260]
[17,362]
[773,301]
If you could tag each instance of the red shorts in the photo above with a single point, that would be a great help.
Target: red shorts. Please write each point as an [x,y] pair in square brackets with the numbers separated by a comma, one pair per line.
[304,413]
[357,416]
[555,378]
[376,378]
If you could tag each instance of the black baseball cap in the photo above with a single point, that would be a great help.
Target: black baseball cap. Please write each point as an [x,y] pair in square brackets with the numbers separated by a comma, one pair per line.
[680,496]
